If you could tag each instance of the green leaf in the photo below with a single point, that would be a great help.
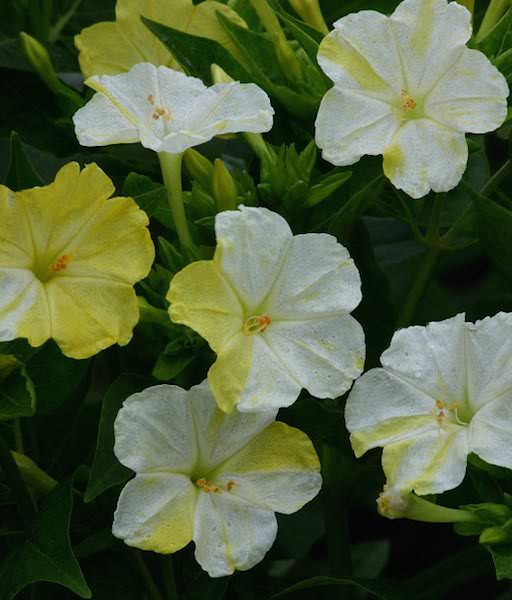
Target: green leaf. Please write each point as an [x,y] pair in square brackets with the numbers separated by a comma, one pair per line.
[377,588]
[327,186]
[106,470]
[495,225]
[499,38]
[17,396]
[46,555]
[168,367]
[502,558]
[197,54]
[150,196]
[20,173]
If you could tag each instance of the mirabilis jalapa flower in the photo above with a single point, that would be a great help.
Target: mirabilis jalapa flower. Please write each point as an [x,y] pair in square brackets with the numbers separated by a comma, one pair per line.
[168,111]
[445,390]
[276,309]
[205,476]
[406,86]
[69,257]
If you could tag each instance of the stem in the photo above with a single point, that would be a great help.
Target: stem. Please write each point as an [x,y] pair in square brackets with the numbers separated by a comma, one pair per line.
[24,501]
[497,178]
[151,588]
[18,435]
[171,593]
[171,173]
[494,12]
[62,21]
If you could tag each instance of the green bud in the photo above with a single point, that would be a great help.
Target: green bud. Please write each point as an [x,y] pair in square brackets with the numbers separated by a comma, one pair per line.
[219,75]
[40,61]
[32,475]
[223,187]
[198,167]
[309,11]
[150,314]
[8,364]
[493,14]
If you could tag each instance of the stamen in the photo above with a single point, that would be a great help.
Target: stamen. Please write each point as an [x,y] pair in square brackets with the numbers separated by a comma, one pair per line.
[60,264]
[151,99]
[160,111]
[257,324]
[409,102]
[208,487]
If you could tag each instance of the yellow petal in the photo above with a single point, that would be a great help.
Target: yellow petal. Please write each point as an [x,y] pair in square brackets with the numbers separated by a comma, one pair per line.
[109,48]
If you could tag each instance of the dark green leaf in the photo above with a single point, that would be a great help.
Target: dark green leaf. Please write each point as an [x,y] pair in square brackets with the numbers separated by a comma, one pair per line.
[46,555]
[20,173]
[106,471]
[502,558]
[168,367]
[499,38]
[150,196]
[17,397]
[377,588]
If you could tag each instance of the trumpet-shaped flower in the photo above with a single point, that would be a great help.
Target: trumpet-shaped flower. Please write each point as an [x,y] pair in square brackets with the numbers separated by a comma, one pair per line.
[69,256]
[407,87]
[275,308]
[168,111]
[114,47]
[205,476]
[445,390]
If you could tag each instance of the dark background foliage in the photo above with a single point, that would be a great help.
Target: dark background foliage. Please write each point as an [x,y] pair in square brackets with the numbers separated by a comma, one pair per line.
[65,409]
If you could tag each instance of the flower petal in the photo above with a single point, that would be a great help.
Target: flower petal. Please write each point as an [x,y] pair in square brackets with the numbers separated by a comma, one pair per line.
[429,463]
[249,375]
[100,123]
[155,512]
[361,54]
[277,470]
[350,125]
[154,430]
[16,247]
[425,156]
[202,299]
[86,316]
[317,279]
[471,96]
[231,534]
[251,246]
[220,436]
[490,431]
[324,355]
[430,36]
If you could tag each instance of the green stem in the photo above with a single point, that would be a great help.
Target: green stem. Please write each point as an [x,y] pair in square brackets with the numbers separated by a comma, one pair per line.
[151,588]
[62,21]
[494,12]
[24,501]
[171,173]
[497,178]
[18,436]
[171,593]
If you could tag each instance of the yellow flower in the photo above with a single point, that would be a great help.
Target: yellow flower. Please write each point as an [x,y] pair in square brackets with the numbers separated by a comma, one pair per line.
[69,257]
[114,47]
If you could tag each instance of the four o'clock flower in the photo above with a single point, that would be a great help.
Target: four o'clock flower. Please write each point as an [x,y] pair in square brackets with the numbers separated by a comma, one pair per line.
[276,309]
[69,257]
[444,391]
[407,87]
[168,112]
[205,476]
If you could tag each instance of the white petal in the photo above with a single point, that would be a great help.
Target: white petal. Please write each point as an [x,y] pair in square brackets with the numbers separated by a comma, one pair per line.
[491,432]
[350,125]
[219,435]
[430,35]
[231,534]
[155,512]
[318,279]
[425,156]
[471,96]
[488,359]
[429,463]
[20,291]
[324,355]
[277,470]
[361,54]
[251,246]
[154,430]
[100,123]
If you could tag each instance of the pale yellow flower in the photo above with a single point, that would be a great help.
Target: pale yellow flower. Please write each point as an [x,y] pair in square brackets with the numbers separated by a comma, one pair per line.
[69,257]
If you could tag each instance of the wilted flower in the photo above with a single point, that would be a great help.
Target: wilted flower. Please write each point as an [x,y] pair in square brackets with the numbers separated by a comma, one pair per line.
[445,390]
[69,257]
[276,310]
[205,476]
[407,87]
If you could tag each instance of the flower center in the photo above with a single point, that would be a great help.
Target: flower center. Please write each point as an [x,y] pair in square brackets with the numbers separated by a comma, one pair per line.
[448,413]
[46,271]
[209,487]
[256,324]
[408,103]
[159,111]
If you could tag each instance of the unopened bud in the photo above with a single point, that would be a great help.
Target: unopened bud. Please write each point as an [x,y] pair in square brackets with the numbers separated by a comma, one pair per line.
[198,167]
[219,75]
[33,475]
[310,12]
[223,187]
[39,59]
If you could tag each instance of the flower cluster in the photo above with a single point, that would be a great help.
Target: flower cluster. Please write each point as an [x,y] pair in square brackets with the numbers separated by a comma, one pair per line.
[212,465]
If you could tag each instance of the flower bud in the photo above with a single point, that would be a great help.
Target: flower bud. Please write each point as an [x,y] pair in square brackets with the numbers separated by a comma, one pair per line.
[33,476]
[309,11]
[198,167]
[40,61]
[223,187]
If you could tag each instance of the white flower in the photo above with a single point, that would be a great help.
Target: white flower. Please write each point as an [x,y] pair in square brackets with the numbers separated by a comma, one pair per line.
[167,111]
[407,87]
[204,476]
[275,308]
[445,390]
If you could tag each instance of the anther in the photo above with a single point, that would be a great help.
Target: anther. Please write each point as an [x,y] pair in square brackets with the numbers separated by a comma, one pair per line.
[409,102]
[257,324]
[60,264]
